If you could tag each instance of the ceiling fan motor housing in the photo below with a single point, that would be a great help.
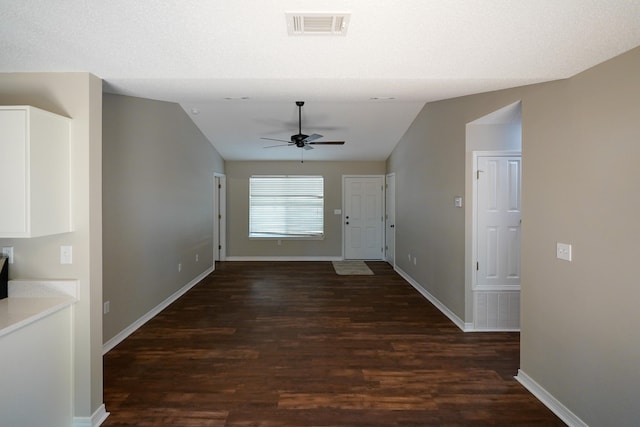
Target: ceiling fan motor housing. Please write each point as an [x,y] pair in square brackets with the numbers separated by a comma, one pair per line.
[299,139]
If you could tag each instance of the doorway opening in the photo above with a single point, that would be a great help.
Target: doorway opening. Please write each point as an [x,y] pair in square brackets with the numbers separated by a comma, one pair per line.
[390,219]
[492,228]
[219,217]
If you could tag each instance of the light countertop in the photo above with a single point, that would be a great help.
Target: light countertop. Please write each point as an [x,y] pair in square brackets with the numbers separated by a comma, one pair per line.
[32,300]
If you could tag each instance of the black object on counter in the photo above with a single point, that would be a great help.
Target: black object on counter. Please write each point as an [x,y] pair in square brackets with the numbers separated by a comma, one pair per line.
[4,278]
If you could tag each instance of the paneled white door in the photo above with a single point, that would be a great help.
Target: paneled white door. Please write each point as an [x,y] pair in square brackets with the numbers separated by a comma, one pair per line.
[498,214]
[363,217]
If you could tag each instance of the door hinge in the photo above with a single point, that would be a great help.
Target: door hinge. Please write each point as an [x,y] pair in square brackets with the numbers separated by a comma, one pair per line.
[477,266]
[219,216]
[219,185]
[219,246]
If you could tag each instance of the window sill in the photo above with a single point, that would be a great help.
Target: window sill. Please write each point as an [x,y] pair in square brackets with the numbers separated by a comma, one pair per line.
[285,237]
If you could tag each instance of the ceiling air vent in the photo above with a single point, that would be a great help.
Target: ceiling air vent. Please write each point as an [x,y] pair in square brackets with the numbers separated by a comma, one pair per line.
[315,23]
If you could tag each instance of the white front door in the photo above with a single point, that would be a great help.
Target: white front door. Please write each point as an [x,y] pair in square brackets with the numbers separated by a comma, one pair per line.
[390,219]
[498,213]
[363,217]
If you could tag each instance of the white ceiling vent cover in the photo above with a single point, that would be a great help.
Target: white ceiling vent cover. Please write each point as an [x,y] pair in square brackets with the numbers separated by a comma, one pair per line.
[317,23]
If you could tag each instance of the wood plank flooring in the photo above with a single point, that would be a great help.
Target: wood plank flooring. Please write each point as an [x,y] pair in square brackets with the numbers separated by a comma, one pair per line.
[293,344]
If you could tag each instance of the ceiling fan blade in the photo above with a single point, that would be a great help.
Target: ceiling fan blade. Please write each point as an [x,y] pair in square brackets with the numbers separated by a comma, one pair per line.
[279,145]
[274,139]
[328,142]
[312,137]
[307,147]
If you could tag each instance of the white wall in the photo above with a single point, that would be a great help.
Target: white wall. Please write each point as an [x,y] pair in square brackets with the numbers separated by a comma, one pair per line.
[78,96]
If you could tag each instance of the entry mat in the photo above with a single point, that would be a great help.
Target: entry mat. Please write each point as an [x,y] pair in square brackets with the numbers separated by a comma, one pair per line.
[351,268]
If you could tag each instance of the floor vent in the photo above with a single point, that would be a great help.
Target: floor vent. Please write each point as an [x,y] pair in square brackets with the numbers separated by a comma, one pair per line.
[315,23]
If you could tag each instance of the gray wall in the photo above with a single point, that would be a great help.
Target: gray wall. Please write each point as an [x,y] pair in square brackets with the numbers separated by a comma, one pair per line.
[158,205]
[238,173]
[581,183]
[78,96]
[580,335]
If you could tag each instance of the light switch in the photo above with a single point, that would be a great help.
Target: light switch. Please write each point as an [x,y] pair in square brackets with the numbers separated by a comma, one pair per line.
[563,251]
[337,211]
[457,201]
[66,255]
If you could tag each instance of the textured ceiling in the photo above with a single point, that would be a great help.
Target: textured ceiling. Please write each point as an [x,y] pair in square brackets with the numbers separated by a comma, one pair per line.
[199,52]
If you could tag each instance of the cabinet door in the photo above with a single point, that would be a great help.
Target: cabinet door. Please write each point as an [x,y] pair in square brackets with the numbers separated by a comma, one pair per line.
[13,176]
[35,198]
[49,166]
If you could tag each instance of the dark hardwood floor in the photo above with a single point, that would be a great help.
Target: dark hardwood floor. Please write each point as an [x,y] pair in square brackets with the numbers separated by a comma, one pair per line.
[293,344]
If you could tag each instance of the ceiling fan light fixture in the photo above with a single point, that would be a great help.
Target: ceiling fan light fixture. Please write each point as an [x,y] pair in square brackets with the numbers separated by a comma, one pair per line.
[317,23]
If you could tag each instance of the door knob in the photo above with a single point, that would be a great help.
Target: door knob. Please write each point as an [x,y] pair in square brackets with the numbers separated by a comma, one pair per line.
[347,223]
[392,226]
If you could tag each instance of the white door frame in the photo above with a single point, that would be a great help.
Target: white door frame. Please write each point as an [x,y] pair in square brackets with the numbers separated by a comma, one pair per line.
[474,218]
[219,217]
[386,218]
[344,205]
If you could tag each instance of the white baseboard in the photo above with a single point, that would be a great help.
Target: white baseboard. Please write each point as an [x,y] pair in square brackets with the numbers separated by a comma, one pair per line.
[95,420]
[469,327]
[549,400]
[148,316]
[283,258]
[465,327]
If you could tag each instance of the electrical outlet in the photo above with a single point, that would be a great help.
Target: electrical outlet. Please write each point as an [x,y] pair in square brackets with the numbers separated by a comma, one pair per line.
[197,257]
[415,261]
[7,252]
[179,267]
[105,307]
[563,251]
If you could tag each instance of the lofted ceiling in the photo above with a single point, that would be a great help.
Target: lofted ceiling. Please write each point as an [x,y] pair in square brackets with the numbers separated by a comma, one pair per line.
[234,69]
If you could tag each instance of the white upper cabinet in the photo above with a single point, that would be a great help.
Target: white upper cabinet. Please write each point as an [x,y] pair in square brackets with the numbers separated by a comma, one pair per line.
[35,173]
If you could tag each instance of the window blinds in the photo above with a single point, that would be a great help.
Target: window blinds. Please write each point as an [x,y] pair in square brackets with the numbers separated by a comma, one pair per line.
[286,206]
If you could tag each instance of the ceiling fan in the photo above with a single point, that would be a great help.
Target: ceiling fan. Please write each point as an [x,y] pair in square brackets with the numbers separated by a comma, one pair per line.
[301,140]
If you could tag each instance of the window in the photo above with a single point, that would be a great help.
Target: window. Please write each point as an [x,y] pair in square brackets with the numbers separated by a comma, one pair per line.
[286,207]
